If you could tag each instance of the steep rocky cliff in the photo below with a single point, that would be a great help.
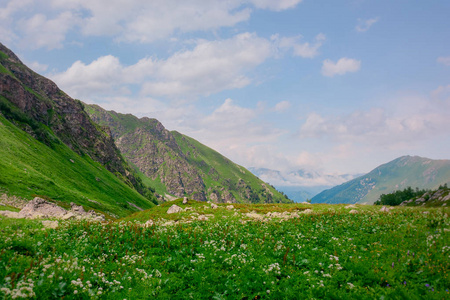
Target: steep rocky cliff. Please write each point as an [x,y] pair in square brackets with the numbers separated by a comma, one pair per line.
[177,165]
[36,105]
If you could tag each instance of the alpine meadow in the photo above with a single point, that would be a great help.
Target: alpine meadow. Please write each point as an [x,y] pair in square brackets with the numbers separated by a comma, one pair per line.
[243,149]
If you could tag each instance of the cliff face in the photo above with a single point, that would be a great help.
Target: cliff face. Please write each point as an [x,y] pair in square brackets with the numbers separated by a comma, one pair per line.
[180,166]
[36,105]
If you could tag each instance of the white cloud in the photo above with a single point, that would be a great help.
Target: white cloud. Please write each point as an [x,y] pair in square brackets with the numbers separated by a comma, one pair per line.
[282,106]
[445,60]
[400,127]
[305,50]
[342,66]
[364,25]
[275,5]
[210,67]
[130,21]
[39,31]
[102,76]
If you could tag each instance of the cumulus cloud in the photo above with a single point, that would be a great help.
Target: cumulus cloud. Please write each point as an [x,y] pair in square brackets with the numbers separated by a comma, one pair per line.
[211,66]
[282,106]
[445,60]
[130,21]
[342,66]
[364,25]
[39,31]
[275,5]
[305,50]
[380,127]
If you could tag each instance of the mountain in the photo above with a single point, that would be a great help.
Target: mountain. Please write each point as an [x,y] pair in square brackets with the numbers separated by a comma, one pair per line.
[51,147]
[405,171]
[300,185]
[177,165]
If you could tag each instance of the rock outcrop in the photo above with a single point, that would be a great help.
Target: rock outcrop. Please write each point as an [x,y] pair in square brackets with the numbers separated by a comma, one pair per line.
[40,208]
[36,105]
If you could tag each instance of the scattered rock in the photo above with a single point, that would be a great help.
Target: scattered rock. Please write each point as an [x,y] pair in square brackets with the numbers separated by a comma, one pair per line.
[10,214]
[214,206]
[426,212]
[185,200]
[38,208]
[254,215]
[230,207]
[304,202]
[351,206]
[385,209]
[202,218]
[307,211]
[50,224]
[174,209]
[68,216]
[353,211]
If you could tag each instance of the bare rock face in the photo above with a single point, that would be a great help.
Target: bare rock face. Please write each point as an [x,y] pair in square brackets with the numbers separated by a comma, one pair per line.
[42,101]
[174,209]
[39,208]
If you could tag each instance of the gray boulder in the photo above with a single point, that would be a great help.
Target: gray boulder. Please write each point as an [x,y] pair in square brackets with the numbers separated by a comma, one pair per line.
[174,209]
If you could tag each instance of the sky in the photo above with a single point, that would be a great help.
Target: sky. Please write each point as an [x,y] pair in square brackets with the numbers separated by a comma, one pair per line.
[339,87]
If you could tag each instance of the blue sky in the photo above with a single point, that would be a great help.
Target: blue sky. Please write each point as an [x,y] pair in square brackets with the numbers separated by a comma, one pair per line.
[333,86]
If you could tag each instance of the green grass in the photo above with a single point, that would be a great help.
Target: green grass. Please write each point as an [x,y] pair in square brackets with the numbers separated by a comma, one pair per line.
[329,254]
[29,167]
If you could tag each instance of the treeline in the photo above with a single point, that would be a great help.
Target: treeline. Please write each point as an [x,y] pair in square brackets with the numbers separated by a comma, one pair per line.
[398,197]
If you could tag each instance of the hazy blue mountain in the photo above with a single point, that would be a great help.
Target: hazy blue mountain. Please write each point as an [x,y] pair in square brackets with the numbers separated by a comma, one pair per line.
[413,171]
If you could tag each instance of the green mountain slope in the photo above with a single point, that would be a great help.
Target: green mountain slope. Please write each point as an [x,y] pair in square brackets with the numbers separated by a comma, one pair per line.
[50,146]
[398,174]
[177,165]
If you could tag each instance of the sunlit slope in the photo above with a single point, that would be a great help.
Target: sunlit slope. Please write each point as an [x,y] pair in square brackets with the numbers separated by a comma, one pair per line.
[398,174]
[29,167]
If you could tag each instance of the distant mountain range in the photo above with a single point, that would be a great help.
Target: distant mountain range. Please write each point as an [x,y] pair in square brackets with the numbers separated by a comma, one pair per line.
[301,185]
[405,171]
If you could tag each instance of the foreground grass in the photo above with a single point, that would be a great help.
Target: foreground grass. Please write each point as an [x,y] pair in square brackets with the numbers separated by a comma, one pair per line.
[329,254]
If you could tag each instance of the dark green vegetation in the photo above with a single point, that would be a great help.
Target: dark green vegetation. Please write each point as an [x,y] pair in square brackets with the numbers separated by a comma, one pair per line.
[50,147]
[396,175]
[329,254]
[177,165]
[397,197]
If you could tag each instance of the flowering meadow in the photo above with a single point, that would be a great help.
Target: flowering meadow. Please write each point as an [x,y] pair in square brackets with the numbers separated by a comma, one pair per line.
[328,254]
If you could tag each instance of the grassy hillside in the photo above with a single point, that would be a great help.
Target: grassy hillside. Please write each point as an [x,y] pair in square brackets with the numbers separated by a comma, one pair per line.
[406,171]
[177,165]
[219,172]
[29,167]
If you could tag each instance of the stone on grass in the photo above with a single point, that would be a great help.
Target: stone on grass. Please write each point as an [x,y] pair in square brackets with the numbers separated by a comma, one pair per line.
[185,200]
[10,214]
[214,206]
[353,211]
[50,224]
[38,208]
[174,209]
[230,207]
